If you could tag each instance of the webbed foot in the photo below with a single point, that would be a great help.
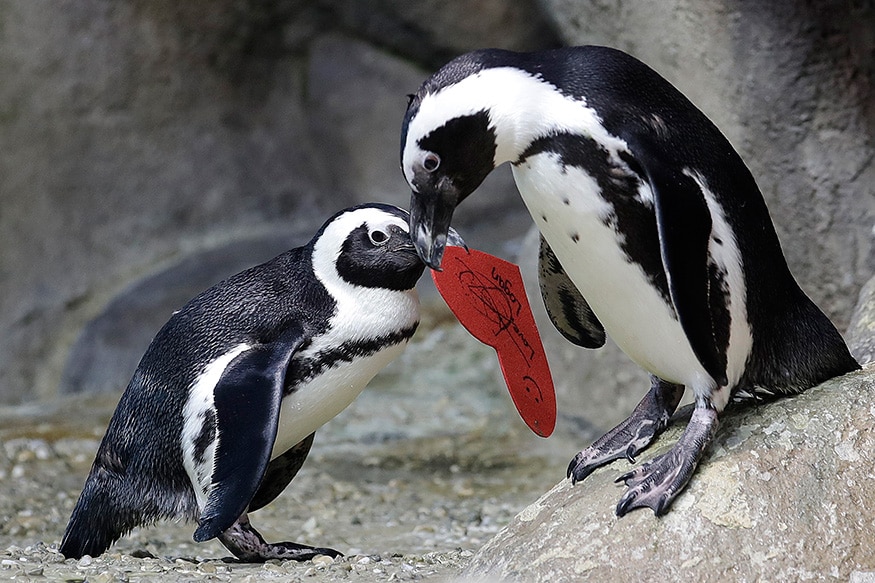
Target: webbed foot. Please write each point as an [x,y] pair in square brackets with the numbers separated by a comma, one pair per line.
[249,546]
[633,435]
[656,483]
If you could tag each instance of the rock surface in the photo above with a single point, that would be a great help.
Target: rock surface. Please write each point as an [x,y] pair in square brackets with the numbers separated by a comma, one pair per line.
[861,332]
[785,495]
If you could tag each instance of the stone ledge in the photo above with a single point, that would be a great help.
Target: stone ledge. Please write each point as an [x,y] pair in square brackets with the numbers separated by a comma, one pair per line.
[785,494]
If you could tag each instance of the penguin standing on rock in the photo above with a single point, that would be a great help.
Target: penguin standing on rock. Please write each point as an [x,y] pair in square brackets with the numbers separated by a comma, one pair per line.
[222,409]
[652,230]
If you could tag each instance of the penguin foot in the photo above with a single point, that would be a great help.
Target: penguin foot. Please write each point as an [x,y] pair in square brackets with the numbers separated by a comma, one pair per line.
[632,436]
[656,483]
[249,546]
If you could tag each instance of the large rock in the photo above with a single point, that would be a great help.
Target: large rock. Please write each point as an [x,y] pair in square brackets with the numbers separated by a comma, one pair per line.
[785,495]
[861,332]
[123,149]
[109,347]
[435,31]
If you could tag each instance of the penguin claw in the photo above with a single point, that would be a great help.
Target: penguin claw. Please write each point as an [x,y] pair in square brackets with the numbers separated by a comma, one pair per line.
[657,483]
[614,445]
[654,485]
[631,501]
[632,436]
[582,466]
[249,546]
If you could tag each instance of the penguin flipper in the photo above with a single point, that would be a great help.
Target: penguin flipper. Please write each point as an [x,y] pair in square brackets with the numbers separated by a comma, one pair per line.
[247,400]
[684,223]
[566,307]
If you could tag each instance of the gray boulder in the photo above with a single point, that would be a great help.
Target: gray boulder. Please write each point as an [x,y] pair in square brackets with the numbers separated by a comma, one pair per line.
[109,347]
[861,332]
[785,495]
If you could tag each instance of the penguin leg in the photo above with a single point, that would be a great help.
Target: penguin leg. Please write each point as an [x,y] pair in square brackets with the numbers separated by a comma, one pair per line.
[647,421]
[656,483]
[249,546]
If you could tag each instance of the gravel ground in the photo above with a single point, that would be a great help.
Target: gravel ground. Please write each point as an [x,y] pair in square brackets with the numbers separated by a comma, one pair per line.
[408,483]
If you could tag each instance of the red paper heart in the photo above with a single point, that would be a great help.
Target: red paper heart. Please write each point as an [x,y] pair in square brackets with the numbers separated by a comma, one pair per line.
[487,295]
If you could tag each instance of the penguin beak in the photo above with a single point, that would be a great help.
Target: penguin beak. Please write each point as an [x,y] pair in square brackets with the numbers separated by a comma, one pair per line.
[454,239]
[430,229]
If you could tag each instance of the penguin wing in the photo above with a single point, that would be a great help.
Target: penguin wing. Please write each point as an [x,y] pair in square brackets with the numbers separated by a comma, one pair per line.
[247,401]
[683,222]
[567,308]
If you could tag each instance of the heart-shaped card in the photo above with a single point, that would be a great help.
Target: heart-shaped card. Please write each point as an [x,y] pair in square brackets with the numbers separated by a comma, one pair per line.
[487,295]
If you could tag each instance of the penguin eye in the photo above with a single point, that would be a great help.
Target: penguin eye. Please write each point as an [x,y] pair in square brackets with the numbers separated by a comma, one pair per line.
[378,238]
[431,162]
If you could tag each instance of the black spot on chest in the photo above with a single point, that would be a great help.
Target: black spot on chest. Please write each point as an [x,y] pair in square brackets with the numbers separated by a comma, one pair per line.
[633,219]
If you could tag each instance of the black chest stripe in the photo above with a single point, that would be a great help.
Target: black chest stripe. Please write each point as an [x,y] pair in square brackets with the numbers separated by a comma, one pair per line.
[307,369]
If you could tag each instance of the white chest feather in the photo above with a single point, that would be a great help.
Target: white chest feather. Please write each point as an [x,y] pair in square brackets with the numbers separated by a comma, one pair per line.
[363,315]
[571,215]
[318,401]
[197,415]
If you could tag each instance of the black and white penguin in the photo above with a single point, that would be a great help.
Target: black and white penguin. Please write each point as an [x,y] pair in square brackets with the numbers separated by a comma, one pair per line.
[222,409]
[653,231]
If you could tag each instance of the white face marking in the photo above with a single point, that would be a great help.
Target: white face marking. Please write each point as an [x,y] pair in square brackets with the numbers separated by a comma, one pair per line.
[521,108]
[362,313]
[200,400]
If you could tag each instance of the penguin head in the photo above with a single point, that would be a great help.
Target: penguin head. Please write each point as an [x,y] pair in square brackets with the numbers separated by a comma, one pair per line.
[369,246]
[448,145]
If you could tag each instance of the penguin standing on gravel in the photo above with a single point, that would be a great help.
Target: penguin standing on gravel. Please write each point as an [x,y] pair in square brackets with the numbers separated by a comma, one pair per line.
[652,230]
[222,409]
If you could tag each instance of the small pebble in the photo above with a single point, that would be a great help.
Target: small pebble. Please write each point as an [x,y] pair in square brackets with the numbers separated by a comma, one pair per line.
[322,560]
[104,577]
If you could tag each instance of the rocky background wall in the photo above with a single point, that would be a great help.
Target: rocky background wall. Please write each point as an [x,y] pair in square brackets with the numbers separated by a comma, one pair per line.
[148,148]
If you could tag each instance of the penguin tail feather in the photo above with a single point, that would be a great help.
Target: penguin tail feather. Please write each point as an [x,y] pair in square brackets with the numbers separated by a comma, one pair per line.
[100,518]
[801,349]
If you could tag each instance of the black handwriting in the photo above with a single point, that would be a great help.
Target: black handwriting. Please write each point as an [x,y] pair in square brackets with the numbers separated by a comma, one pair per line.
[497,301]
